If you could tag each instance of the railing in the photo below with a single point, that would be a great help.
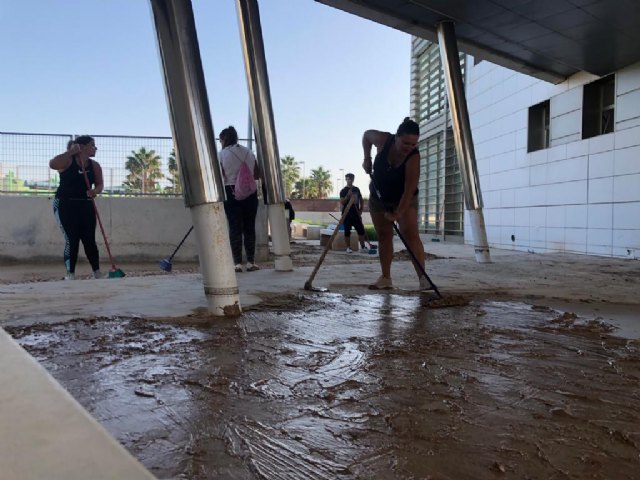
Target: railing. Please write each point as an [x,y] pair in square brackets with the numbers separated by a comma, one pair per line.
[24,163]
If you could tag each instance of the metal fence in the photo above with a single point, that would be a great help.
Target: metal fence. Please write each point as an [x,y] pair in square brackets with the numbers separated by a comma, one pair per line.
[24,162]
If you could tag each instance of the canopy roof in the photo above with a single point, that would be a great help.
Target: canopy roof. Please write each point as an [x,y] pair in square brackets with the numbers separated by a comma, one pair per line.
[549,39]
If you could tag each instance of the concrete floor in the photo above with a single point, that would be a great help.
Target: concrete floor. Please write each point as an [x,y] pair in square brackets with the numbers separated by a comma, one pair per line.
[353,383]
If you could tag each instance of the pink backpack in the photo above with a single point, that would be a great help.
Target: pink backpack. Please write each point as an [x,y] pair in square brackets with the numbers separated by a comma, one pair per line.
[245,183]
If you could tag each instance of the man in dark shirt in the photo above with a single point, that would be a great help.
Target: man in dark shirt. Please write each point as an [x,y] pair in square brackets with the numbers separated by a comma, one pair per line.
[354,217]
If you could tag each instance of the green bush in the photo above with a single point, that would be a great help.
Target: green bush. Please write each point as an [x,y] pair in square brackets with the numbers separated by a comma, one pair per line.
[370,233]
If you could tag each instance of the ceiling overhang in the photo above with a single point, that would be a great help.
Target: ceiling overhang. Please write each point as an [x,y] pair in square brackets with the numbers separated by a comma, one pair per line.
[547,39]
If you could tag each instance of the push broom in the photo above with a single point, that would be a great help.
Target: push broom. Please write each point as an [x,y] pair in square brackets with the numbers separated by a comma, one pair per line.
[114,272]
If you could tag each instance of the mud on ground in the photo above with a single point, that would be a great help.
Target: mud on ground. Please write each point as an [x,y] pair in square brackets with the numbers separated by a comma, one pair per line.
[337,386]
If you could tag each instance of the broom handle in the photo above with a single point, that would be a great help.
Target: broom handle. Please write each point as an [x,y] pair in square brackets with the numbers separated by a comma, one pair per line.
[180,244]
[330,242]
[95,209]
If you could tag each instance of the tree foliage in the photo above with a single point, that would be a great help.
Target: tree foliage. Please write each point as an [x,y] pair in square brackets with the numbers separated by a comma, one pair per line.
[144,171]
[174,171]
[319,183]
[290,174]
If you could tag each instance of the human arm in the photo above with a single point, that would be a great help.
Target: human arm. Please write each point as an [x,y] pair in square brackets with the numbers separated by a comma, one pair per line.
[369,139]
[412,172]
[61,162]
[98,183]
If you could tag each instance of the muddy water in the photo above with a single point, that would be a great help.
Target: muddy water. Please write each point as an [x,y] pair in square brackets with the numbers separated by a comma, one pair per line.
[376,386]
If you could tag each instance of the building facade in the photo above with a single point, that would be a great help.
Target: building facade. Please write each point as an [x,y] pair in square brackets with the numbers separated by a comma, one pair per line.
[559,165]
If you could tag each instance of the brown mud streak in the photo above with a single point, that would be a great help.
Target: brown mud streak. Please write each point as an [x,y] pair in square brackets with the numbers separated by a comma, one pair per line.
[344,387]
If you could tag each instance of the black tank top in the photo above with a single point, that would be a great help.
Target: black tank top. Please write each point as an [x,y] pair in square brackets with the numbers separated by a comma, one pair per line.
[389,180]
[72,182]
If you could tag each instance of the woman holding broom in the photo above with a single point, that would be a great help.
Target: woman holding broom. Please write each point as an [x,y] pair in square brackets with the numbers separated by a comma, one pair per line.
[394,193]
[73,206]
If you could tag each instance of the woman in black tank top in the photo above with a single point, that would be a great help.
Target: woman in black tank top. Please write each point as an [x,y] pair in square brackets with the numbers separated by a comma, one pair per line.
[394,172]
[72,205]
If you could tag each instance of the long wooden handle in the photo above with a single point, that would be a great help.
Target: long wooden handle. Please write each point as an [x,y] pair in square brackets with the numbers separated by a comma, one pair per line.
[330,242]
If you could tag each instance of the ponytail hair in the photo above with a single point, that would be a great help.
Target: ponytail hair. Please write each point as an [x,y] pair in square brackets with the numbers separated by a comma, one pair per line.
[408,127]
[229,136]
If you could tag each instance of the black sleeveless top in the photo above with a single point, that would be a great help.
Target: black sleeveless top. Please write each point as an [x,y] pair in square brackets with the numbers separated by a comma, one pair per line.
[389,180]
[72,182]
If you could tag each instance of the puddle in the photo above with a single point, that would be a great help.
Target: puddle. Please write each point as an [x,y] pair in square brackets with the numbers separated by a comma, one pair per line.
[375,386]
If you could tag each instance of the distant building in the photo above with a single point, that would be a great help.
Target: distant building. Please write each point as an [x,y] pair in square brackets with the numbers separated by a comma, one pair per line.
[559,164]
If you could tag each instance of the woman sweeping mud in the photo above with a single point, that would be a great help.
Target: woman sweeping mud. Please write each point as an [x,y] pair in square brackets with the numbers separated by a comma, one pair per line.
[394,174]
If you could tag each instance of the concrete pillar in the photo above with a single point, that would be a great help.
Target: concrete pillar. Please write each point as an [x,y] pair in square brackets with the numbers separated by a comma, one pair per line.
[196,150]
[262,115]
[463,139]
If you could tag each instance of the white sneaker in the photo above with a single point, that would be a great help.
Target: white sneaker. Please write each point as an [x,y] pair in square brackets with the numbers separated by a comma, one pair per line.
[383,283]
[238,268]
[252,267]
[70,276]
[97,274]
[349,250]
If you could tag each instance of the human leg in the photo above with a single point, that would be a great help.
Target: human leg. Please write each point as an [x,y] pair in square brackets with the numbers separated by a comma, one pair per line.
[408,223]
[234,219]
[348,223]
[87,233]
[66,216]
[357,224]
[249,207]
[384,229]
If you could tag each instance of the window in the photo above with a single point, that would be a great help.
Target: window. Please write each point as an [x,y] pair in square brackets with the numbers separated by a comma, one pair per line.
[431,91]
[599,107]
[441,200]
[538,127]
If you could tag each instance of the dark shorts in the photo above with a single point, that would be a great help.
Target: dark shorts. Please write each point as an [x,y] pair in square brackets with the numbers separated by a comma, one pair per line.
[355,221]
[376,206]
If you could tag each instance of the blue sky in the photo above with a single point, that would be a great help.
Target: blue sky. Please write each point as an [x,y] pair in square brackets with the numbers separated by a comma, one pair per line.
[73,66]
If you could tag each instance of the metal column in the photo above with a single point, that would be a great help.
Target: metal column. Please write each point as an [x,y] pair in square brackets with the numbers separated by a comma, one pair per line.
[196,150]
[463,139]
[262,114]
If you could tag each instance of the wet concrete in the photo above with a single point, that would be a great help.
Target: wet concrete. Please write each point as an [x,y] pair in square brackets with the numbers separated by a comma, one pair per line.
[345,386]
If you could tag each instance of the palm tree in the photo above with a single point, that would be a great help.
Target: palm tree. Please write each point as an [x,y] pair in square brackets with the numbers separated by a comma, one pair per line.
[174,170]
[319,184]
[299,187]
[290,173]
[144,171]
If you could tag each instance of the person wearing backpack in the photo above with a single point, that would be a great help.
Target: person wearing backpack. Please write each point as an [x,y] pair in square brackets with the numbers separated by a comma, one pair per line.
[240,171]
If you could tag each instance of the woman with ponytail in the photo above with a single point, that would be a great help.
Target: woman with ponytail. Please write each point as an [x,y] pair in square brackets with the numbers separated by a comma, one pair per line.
[393,195]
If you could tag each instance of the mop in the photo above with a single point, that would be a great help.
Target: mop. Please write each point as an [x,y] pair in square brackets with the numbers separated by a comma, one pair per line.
[114,272]
[165,263]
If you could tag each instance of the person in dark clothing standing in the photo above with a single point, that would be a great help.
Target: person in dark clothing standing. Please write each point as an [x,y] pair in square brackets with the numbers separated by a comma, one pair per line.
[395,171]
[291,213]
[73,206]
[354,217]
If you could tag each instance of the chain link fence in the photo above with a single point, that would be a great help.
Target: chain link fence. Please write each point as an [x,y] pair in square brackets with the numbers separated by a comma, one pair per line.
[24,164]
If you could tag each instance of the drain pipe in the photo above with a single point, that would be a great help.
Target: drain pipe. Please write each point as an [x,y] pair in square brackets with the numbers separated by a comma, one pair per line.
[262,114]
[196,151]
[463,139]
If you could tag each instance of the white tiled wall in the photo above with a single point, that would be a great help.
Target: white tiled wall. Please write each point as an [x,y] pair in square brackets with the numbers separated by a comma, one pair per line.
[578,195]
